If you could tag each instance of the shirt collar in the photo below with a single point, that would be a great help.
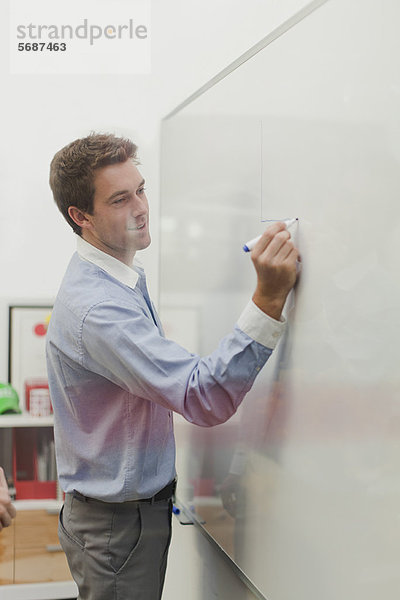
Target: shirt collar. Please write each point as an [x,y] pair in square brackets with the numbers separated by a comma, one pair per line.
[114,267]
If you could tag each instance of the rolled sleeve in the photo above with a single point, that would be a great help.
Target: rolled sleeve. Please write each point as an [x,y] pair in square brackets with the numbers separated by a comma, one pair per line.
[261,327]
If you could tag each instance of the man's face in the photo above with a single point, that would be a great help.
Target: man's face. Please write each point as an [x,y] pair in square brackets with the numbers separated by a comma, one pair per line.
[119,224]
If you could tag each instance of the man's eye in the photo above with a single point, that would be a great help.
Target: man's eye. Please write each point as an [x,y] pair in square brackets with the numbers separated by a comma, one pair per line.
[119,200]
[141,190]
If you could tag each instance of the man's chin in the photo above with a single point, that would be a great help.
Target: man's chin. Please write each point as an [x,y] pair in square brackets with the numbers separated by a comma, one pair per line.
[143,244]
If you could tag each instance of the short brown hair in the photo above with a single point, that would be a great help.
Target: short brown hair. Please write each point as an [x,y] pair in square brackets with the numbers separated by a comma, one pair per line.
[72,170]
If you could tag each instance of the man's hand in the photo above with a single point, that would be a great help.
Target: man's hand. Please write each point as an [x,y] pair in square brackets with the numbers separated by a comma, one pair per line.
[274,258]
[7,510]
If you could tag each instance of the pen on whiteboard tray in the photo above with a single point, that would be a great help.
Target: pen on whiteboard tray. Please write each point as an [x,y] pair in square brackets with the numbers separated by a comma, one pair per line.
[250,245]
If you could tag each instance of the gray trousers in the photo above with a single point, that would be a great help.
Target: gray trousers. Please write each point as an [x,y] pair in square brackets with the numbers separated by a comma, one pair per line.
[116,551]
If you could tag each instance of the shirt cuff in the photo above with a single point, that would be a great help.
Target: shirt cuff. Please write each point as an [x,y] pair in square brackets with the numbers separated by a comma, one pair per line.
[261,327]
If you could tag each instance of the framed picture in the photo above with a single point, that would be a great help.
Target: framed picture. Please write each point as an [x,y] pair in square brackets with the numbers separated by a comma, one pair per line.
[27,347]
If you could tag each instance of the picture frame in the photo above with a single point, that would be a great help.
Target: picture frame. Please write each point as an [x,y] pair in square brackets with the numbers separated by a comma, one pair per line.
[27,327]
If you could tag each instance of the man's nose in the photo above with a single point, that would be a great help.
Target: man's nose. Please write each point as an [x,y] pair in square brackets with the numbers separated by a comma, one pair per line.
[139,206]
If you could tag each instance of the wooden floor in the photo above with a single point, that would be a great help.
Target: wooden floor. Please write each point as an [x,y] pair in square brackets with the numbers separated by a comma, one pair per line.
[30,551]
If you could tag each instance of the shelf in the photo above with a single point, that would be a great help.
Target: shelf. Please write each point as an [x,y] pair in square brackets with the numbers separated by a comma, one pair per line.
[49,504]
[39,591]
[25,420]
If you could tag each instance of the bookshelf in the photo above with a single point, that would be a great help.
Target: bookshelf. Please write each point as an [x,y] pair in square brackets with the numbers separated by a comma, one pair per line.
[32,564]
[27,456]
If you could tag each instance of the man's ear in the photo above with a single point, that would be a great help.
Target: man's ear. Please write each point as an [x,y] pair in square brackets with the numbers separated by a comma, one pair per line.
[78,216]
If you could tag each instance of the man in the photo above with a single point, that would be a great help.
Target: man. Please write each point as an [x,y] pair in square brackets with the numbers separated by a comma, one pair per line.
[115,380]
[7,510]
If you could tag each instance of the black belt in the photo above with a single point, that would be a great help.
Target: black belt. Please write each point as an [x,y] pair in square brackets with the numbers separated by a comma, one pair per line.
[165,494]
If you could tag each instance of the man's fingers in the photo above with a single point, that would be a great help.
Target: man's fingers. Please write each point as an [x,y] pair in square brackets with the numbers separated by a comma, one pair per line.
[277,248]
[289,252]
[268,236]
[3,481]
[7,509]
[7,513]
[5,518]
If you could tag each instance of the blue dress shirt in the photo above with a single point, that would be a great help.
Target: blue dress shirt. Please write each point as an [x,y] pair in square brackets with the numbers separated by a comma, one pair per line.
[115,380]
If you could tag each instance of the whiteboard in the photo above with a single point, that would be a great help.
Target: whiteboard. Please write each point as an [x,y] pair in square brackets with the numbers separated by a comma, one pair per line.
[308,127]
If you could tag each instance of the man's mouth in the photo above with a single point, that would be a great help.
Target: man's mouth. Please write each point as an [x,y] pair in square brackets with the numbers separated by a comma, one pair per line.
[130,228]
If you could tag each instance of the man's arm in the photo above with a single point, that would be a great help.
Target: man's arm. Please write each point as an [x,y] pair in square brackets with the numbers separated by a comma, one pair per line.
[7,510]
[122,345]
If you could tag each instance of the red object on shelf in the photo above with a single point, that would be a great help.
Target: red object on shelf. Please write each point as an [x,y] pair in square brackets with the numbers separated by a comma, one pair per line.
[40,490]
[37,397]
[25,466]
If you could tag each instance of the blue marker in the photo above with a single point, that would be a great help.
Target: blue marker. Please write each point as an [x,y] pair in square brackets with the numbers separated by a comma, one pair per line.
[250,245]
